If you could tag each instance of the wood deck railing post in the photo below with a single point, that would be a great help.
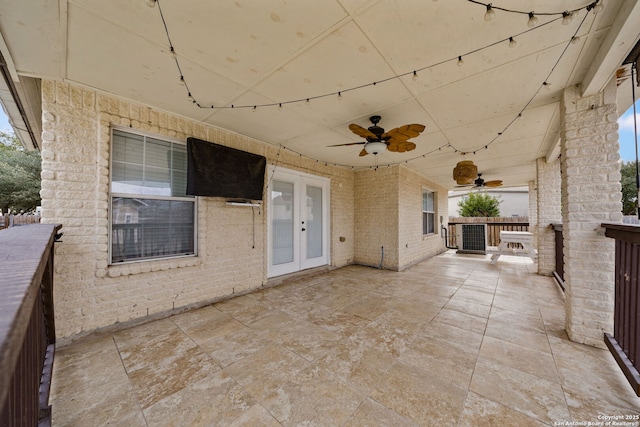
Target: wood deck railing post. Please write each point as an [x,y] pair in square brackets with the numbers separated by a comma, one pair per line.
[625,341]
[27,329]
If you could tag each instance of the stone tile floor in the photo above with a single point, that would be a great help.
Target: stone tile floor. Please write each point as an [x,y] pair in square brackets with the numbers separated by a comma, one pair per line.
[452,341]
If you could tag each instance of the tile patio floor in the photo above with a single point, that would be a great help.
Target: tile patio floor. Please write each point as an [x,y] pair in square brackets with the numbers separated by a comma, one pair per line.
[452,341]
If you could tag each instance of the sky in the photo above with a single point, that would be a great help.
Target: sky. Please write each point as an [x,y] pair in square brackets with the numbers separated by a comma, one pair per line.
[625,131]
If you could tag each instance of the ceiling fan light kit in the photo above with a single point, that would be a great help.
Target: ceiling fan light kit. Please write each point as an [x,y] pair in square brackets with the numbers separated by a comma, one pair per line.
[377,140]
[375,147]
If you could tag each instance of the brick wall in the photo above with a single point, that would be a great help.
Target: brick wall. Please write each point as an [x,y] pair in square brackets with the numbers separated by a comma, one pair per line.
[388,204]
[414,246]
[590,195]
[533,212]
[376,219]
[90,293]
[549,212]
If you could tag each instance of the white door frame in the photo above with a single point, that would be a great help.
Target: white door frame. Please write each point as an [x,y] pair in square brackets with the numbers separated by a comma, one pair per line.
[300,181]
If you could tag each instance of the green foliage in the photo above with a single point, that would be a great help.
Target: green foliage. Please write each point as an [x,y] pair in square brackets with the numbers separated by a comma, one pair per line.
[629,191]
[479,204]
[19,176]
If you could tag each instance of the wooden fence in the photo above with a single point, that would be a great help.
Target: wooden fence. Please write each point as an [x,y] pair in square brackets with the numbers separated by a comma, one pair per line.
[494,227]
[12,220]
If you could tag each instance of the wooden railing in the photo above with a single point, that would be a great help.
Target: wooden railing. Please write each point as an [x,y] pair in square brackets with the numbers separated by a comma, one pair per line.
[494,227]
[11,220]
[27,329]
[625,341]
[558,273]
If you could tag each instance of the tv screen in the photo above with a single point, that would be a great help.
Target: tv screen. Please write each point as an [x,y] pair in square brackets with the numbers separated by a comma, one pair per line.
[217,171]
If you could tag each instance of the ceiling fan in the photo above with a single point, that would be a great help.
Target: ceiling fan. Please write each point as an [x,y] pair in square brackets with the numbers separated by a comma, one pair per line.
[377,140]
[480,182]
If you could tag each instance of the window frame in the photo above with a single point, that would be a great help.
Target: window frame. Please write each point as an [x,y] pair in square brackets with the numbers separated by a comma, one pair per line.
[112,195]
[434,212]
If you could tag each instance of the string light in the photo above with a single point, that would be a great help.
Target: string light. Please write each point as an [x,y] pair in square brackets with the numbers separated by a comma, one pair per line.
[596,6]
[490,14]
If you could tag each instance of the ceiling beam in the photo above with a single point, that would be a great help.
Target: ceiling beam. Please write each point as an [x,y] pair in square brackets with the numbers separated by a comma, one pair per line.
[614,49]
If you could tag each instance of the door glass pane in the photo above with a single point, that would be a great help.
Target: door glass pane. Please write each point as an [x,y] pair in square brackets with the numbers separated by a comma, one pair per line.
[282,222]
[314,222]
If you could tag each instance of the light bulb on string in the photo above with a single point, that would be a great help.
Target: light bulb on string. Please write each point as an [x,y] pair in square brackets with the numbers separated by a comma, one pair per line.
[533,20]
[151,3]
[566,17]
[575,39]
[599,6]
[254,108]
[307,101]
[182,82]
[173,53]
[339,96]
[460,61]
[490,14]
[546,85]
[280,106]
[512,42]
[415,76]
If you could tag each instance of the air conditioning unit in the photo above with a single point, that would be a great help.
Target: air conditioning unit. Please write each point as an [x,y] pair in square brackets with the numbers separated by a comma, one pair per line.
[471,238]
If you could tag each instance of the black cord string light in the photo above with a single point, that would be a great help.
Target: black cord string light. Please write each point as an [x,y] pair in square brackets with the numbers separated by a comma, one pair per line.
[532,23]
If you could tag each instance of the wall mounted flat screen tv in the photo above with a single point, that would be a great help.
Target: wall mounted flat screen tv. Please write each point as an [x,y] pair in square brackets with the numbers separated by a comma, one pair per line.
[214,170]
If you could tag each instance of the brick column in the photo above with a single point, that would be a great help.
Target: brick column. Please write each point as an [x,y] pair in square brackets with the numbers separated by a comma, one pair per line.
[549,212]
[533,212]
[591,194]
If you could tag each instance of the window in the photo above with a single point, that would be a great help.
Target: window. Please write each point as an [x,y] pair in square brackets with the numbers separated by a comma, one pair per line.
[428,212]
[151,216]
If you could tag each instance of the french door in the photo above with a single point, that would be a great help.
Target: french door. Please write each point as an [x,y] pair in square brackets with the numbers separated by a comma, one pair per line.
[298,222]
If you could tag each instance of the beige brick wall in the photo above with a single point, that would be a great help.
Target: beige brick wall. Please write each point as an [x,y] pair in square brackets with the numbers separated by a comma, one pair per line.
[591,195]
[89,293]
[388,204]
[549,212]
[376,217]
[414,246]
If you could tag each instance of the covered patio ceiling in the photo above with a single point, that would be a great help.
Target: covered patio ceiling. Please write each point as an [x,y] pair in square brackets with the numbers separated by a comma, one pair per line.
[270,52]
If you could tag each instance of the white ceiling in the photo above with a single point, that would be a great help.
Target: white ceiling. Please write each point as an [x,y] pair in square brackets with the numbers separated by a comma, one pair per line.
[256,52]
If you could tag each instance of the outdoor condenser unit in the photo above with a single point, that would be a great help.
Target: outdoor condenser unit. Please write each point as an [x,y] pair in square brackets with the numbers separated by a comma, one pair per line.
[472,238]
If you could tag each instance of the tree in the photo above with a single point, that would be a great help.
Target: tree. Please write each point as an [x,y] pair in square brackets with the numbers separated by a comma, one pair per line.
[19,175]
[629,191]
[479,204]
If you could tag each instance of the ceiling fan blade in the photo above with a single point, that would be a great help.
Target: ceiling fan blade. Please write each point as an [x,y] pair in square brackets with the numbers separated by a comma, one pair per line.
[360,131]
[494,183]
[405,132]
[393,146]
[363,153]
[350,143]
[410,146]
[402,147]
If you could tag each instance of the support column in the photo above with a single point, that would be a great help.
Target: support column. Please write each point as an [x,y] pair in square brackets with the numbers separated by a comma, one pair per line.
[549,212]
[591,194]
[533,212]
